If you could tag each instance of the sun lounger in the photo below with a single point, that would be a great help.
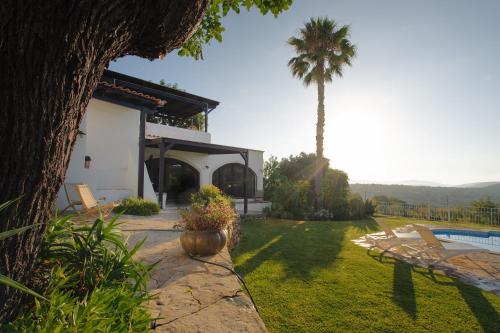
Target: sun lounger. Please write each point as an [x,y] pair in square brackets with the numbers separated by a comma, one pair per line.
[437,251]
[72,197]
[91,207]
[393,238]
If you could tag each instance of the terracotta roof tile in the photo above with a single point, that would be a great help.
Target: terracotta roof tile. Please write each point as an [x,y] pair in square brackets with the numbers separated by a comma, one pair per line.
[157,101]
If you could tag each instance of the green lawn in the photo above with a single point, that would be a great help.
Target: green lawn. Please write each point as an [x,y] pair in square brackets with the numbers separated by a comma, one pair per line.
[309,277]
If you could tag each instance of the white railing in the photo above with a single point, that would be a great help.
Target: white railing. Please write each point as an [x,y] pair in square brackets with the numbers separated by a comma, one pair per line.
[490,216]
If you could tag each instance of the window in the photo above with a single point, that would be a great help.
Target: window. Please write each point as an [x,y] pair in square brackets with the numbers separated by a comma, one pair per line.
[229,178]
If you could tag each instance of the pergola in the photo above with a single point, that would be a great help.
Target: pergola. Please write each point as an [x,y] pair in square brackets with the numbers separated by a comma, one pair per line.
[152,98]
[166,144]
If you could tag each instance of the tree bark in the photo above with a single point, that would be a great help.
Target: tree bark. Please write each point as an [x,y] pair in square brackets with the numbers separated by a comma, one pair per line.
[52,55]
[320,125]
[320,128]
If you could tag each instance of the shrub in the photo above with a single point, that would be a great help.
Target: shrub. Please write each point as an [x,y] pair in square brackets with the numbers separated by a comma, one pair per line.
[184,198]
[484,202]
[138,206]
[289,185]
[290,200]
[321,215]
[301,167]
[210,210]
[356,207]
[272,176]
[369,207]
[336,193]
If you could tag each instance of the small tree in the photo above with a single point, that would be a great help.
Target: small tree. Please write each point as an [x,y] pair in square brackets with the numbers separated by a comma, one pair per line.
[483,203]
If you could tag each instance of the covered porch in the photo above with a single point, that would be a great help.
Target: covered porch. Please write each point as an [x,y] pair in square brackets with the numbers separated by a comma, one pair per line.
[163,145]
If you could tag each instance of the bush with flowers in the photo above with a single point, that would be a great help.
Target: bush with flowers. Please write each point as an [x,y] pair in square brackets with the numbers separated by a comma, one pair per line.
[209,210]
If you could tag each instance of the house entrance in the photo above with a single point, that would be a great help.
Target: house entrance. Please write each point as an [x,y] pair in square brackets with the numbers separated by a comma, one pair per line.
[179,181]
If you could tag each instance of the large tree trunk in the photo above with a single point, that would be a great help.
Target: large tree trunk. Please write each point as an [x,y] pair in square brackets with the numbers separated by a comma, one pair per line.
[320,128]
[52,55]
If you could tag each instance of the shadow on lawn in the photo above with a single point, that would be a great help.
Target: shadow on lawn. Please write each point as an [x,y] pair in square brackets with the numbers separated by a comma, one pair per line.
[403,290]
[485,313]
[404,293]
[299,246]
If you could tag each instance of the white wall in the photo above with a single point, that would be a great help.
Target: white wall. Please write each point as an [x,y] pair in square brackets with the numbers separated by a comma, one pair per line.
[164,131]
[112,142]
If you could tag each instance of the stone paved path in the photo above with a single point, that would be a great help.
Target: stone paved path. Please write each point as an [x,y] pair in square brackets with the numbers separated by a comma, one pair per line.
[190,296]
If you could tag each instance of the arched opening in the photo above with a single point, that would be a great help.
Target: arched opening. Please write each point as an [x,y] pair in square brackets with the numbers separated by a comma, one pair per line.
[179,181]
[229,178]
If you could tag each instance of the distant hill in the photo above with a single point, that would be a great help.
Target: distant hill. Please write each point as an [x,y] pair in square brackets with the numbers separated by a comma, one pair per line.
[435,195]
[478,185]
[418,183]
[410,182]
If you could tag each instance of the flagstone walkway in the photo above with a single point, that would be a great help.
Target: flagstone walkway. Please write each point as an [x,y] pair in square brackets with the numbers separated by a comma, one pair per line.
[191,296]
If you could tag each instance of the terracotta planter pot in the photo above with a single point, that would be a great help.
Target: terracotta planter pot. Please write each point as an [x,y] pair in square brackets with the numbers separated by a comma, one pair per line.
[203,243]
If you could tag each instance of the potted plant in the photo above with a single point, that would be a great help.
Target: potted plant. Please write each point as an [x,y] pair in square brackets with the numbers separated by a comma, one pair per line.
[206,221]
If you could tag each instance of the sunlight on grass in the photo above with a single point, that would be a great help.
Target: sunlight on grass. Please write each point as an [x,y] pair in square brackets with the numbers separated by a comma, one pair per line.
[319,281]
[242,259]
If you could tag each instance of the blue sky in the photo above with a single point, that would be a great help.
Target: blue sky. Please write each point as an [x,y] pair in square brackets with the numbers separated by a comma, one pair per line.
[421,100]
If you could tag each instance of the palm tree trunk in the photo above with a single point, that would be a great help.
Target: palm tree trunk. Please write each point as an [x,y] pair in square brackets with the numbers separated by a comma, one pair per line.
[320,127]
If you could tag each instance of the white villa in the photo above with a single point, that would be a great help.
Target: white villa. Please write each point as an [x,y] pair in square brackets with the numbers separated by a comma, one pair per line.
[130,123]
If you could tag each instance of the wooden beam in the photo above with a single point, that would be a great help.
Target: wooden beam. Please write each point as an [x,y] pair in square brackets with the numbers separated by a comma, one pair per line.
[161,172]
[206,119]
[245,181]
[142,143]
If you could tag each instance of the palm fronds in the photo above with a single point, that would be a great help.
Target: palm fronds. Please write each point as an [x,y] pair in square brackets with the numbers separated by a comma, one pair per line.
[322,51]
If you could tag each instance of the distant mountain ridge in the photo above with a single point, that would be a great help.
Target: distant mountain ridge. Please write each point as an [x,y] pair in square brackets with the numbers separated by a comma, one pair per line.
[478,185]
[410,182]
[435,195]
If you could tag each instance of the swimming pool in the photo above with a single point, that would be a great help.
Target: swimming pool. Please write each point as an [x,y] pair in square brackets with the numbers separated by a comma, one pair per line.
[489,240]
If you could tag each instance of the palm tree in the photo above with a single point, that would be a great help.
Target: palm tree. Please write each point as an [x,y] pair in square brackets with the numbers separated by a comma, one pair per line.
[322,51]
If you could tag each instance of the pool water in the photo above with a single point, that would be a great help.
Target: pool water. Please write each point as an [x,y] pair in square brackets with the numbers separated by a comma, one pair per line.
[489,240]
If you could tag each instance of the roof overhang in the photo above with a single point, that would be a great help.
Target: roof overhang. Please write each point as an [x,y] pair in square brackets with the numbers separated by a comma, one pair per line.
[140,94]
[195,147]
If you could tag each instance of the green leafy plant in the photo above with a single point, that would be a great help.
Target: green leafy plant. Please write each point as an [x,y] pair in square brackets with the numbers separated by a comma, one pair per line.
[211,26]
[138,206]
[90,281]
[209,210]
[91,255]
[113,308]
